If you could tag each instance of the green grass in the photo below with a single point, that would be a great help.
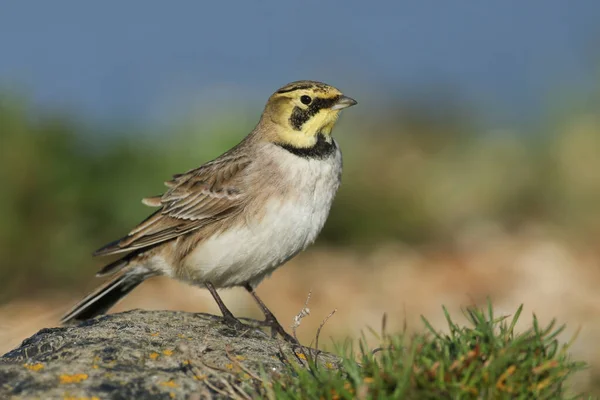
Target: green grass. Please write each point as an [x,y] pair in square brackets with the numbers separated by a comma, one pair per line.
[486,359]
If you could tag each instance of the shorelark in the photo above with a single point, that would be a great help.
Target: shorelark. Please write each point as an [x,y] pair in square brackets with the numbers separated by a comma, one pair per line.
[234,220]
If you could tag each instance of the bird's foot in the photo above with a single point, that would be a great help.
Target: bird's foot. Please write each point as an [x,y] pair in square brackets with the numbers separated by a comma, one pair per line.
[233,322]
[275,326]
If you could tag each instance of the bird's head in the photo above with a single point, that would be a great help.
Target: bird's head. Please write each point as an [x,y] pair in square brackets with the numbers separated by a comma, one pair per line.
[302,110]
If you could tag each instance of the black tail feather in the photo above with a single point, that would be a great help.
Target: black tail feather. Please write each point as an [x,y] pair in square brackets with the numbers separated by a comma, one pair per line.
[109,248]
[103,298]
[115,266]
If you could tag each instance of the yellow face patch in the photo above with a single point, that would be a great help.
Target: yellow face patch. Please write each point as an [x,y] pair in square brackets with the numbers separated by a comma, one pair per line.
[304,110]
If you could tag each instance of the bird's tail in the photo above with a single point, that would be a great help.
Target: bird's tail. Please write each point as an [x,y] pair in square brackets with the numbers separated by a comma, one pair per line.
[106,296]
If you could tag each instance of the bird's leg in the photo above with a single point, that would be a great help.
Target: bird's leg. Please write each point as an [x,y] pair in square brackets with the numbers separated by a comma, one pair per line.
[227,315]
[270,319]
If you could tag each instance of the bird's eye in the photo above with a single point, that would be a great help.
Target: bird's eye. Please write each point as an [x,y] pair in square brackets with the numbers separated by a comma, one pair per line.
[305,99]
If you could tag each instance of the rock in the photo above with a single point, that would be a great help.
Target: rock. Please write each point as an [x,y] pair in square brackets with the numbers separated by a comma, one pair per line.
[146,355]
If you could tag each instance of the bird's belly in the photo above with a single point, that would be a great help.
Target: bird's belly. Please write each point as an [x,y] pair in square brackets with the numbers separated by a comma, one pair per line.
[252,251]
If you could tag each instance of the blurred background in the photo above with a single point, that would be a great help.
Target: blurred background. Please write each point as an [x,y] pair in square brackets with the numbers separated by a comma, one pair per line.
[472,163]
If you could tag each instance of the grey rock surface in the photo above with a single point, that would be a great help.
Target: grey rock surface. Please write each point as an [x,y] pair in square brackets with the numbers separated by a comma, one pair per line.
[145,355]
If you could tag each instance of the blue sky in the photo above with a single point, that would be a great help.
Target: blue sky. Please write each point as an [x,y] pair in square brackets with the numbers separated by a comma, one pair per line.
[148,60]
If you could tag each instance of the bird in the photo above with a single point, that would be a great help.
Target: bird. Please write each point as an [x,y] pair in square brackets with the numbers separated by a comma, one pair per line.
[234,220]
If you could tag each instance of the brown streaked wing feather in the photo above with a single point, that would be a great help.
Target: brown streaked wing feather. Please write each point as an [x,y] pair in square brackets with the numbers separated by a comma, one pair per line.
[195,199]
[152,201]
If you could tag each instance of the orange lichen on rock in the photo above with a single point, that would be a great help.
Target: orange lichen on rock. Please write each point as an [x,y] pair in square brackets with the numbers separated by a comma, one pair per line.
[75,378]
[34,367]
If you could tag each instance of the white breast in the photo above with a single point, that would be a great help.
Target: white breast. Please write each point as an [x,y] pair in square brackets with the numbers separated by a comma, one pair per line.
[253,251]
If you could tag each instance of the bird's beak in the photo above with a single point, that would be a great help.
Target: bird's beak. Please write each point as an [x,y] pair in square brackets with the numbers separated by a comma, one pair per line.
[343,102]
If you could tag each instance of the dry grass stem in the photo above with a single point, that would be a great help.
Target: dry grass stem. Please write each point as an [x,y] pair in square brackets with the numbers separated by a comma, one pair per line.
[303,313]
[240,365]
[321,327]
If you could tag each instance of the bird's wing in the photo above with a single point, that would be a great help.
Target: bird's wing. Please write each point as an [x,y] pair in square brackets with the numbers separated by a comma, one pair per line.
[195,199]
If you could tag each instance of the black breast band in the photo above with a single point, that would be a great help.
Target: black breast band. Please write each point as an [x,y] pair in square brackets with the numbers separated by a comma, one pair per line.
[322,149]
